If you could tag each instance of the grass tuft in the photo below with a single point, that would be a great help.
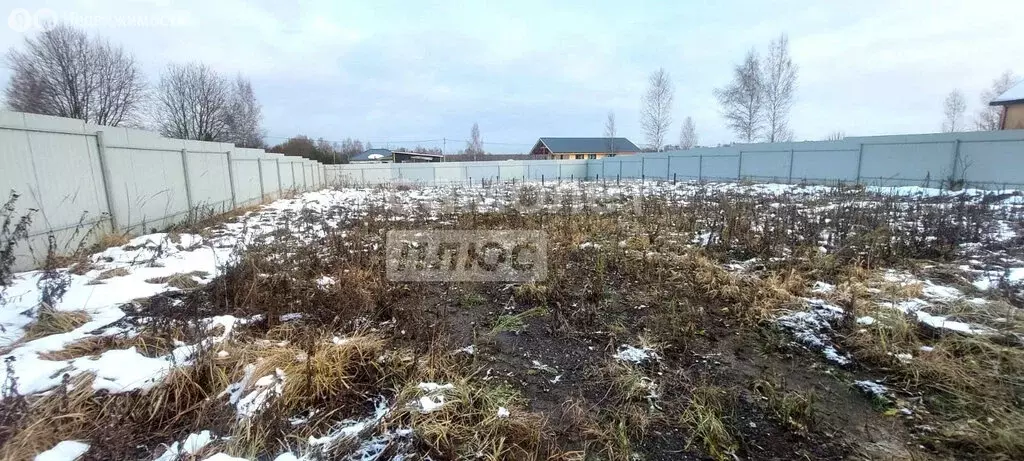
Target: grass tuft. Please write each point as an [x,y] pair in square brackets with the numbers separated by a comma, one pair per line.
[50,321]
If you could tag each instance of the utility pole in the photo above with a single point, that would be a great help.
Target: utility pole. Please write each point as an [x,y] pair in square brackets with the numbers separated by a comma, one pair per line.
[444,147]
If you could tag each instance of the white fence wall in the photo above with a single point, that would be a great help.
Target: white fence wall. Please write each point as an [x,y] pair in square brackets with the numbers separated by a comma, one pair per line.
[80,176]
[990,160]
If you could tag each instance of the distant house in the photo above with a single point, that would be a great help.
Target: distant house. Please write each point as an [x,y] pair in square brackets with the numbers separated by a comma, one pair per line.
[582,148]
[390,156]
[416,157]
[1013,108]
[374,156]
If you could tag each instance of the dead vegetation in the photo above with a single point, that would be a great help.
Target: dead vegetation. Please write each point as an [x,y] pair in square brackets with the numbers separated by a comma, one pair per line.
[345,355]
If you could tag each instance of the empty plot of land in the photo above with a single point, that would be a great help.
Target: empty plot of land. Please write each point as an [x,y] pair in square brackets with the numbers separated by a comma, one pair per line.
[675,321]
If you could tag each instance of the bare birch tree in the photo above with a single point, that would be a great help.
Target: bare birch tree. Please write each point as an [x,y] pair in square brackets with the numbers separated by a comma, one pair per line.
[193,102]
[656,109]
[741,99]
[988,116]
[609,131]
[779,86]
[62,72]
[475,145]
[953,109]
[244,115]
[609,125]
[837,135]
[688,135]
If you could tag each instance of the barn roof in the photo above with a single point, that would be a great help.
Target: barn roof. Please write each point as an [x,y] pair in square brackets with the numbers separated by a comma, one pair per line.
[592,145]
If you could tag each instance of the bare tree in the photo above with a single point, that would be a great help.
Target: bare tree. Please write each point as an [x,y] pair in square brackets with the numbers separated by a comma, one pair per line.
[244,115]
[63,72]
[688,135]
[988,117]
[656,110]
[779,85]
[194,101]
[609,131]
[475,146]
[836,136]
[609,125]
[742,100]
[953,110]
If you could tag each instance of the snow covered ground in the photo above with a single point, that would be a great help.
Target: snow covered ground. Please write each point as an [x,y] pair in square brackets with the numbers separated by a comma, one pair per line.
[146,265]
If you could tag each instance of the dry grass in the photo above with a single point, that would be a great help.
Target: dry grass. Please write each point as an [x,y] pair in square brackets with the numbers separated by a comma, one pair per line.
[64,416]
[49,321]
[145,344]
[340,355]
[115,272]
[792,408]
[468,424]
[964,379]
[704,417]
[181,281]
[110,240]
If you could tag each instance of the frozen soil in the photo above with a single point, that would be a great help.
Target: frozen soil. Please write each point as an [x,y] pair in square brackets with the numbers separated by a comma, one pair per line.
[677,321]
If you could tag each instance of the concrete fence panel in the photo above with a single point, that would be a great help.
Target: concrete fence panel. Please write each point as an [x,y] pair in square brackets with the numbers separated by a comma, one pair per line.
[380,175]
[765,165]
[656,166]
[415,172]
[448,173]
[248,187]
[148,188]
[684,167]
[992,164]
[820,166]
[542,171]
[916,164]
[206,172]
[721,167]
[513,170]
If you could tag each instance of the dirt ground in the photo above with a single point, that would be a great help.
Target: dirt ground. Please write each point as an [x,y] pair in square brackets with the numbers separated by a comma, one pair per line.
[676,322]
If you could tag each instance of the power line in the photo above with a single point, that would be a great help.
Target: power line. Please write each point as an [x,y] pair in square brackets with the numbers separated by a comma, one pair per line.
[382,139]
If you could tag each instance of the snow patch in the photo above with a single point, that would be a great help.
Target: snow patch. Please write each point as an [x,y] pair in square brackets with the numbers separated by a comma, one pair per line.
[190,446]
[68,450]
[872,387]
[813,328]
[633,354]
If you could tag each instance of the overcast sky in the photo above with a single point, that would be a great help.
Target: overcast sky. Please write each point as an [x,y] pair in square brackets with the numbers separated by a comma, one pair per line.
[398,72]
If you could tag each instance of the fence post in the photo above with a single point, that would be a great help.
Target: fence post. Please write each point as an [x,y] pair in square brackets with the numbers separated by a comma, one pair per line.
[700,167]
[790,165]
[739,167]
[231,180]
[108,188]
[860,160]
[956,166]
[668,168]
[259,167]
[280,184]
[188,182]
